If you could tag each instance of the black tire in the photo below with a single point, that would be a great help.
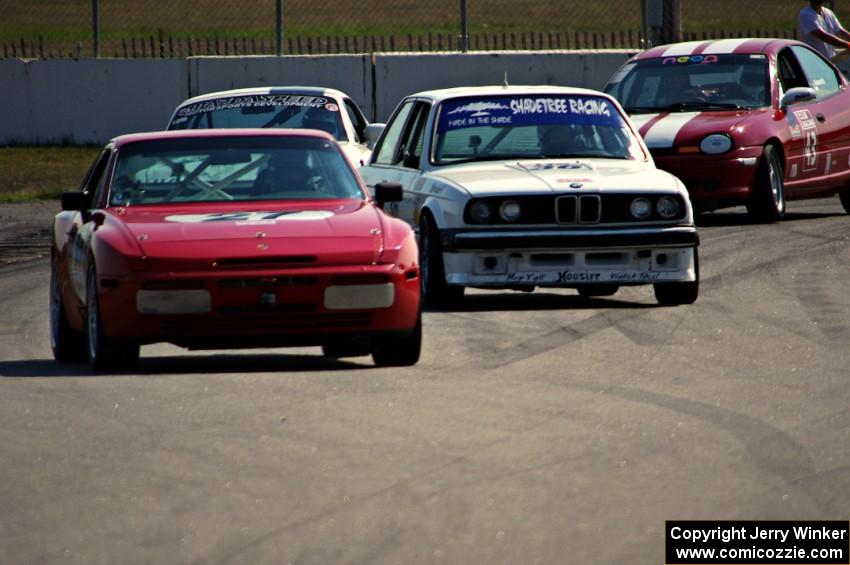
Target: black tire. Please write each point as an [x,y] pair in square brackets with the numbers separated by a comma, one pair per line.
[399,351]
[435,291]
[678,293]
[844,197]
[768,201]
[340,348]
[105,354]
[68,345]
[601,289]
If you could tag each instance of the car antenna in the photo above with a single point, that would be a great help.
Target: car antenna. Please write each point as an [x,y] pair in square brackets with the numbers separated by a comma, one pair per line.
[505,83]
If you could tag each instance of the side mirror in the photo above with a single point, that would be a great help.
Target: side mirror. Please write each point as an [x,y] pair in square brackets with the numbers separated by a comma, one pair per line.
[74,200]
[373,132]
[388,192]
[797,95]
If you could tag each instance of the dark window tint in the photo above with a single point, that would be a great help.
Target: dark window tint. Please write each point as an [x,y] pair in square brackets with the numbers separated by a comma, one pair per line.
[820,75]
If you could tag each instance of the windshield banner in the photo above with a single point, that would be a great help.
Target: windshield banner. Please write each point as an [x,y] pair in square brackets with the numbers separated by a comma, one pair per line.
[254,101]
[527,111]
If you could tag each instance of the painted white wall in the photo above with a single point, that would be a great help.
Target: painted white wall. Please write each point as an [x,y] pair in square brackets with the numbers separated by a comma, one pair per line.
[92,100]
[351,74]
[400,74]
[87,100]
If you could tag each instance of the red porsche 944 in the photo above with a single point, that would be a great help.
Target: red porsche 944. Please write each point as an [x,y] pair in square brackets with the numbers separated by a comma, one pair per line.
[219,239]
[750,122]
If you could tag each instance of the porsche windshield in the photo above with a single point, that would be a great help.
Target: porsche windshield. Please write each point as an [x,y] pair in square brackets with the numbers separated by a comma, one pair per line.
[207,169]
[692,83]
[531,127]
[298,111]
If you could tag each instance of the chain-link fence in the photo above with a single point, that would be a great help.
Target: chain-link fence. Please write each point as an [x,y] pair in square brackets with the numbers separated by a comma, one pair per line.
[165,28]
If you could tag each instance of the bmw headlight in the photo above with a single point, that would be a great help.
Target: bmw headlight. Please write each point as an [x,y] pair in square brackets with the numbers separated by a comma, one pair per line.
[641,208]
[480,212]
[715,144]
[510,210]
[668,207]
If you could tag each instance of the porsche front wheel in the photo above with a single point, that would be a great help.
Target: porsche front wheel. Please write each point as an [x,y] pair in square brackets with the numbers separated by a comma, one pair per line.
[399,351]
[768,200]
[68,345]
[105,354]
[435,291]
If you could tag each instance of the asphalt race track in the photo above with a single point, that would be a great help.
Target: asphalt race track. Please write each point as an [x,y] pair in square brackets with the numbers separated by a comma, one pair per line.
[537,428]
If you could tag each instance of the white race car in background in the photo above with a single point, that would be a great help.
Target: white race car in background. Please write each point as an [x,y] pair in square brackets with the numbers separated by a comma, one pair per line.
[299,107]
[519,187]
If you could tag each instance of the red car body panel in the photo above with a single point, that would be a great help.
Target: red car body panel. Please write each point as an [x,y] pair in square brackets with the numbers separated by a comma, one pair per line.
[811,169]
[266,264]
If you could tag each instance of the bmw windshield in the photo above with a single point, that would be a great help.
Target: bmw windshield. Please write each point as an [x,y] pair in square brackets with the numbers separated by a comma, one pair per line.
[692,83]
[531,127]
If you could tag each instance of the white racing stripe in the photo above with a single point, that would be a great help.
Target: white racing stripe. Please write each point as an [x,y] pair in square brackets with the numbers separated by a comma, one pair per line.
[662,134]
[685,48]
[639,119]
[724,46]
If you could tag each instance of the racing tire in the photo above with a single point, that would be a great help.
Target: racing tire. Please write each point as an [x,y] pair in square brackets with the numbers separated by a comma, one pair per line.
[844,197]
[68,344]
[339,348]
[399,351]
[768,200]
[105,354]
[432,273]
[679,293]
[594,290]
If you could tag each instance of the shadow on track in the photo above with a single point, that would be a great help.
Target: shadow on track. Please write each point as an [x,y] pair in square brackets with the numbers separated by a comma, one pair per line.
[517,301]
[729,218]
[189,365]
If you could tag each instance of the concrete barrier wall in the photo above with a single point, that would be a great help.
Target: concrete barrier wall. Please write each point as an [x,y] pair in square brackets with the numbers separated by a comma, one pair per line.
[399,74]
[92,100]
[87,100]
[351,74]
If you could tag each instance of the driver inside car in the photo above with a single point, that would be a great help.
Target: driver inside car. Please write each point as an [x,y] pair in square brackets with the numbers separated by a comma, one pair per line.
[323,120]
[562,140]
[286,171]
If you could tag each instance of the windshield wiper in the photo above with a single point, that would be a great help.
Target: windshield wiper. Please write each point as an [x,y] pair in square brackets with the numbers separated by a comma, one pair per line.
[496,157]
[578,156]
[642,109]
[679,106]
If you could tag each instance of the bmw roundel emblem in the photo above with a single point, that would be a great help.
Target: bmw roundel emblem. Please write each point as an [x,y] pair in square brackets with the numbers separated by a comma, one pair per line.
[576,185]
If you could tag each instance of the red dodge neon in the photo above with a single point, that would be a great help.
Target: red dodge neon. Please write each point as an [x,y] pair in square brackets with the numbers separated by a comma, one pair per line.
[742,121]
[230,239]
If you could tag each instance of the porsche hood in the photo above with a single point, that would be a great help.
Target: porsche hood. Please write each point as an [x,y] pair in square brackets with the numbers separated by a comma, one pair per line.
[187,238]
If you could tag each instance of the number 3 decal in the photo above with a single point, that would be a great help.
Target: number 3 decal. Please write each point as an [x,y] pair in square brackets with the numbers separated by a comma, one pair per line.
[810,138]
[811,151]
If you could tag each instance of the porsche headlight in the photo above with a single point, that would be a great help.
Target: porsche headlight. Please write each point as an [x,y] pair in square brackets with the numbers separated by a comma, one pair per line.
[668,207]
[480,212]
[510,210]
[715,144]
[641,208]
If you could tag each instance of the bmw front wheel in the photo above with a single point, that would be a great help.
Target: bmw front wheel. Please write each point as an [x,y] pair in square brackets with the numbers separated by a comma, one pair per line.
[678,293]
[435,291]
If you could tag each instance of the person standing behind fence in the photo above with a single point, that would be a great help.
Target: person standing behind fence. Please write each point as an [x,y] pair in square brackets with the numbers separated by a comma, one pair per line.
[818,27]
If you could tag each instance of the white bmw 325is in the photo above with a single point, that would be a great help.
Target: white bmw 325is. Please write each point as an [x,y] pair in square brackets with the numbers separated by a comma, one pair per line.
[534,186]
